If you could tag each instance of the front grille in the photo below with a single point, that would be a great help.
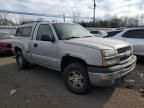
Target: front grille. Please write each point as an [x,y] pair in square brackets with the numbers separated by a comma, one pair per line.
[123,51]
[124,58]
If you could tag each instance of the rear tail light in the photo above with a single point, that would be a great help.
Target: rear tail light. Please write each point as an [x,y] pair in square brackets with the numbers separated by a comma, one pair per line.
[1,45]
[5,45]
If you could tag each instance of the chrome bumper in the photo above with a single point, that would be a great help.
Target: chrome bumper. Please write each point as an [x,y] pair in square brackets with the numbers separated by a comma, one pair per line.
[108,78]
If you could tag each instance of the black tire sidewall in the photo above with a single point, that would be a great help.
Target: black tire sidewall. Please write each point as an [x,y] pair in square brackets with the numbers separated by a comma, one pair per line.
[80,68]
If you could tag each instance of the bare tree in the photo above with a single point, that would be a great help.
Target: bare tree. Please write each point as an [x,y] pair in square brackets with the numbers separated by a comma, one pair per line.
[16,19]
[64,17]
[5,20]
[141,19]
[24,20]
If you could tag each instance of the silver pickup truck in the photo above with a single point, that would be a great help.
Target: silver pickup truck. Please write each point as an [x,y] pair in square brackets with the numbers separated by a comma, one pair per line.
[83,59]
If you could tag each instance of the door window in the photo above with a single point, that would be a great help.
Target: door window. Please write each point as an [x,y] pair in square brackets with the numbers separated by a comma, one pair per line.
[24,31]
[44,31]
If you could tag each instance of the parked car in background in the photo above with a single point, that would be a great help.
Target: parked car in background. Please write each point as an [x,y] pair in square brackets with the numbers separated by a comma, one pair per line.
[98,33]
[133,35]
[5,43]
[81,57]
[112,33]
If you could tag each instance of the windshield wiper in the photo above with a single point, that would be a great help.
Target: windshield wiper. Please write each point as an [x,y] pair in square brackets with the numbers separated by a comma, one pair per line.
[87,36]
[72,37]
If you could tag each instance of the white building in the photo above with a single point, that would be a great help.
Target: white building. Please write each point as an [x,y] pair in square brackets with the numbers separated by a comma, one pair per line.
[8,29]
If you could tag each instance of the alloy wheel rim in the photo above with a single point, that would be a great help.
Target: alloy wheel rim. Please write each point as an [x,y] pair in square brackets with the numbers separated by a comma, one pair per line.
[76,79]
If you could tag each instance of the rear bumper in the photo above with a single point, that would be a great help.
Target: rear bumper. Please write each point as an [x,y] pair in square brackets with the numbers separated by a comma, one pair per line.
[103,76]
[5,50]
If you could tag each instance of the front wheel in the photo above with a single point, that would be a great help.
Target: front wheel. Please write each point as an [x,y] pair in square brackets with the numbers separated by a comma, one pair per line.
[76,78]
[21,62]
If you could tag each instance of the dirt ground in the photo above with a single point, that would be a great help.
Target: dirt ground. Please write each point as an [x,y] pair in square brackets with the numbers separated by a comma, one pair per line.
[38,87]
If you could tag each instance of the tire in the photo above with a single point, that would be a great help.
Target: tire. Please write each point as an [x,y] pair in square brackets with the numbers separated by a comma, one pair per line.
[76,78]
[20,60]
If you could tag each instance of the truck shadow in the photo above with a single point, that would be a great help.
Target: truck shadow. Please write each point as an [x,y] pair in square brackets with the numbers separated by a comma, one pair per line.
[140,60]
[6,55]
[135,79]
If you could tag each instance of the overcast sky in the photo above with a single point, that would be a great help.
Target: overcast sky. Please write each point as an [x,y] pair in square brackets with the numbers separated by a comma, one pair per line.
[82,7]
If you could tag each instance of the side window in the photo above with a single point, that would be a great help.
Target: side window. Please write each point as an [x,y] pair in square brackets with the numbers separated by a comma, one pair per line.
[139,33]
[44,31]
[24,31]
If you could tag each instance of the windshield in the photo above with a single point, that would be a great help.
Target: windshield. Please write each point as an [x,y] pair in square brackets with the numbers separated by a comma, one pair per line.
[69,31]
[6,36]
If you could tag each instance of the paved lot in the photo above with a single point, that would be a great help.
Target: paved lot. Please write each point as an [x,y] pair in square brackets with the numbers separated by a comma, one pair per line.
[38,87]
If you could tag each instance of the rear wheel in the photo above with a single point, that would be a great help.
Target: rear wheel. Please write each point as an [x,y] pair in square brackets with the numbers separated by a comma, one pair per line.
[21,62]
[76,78]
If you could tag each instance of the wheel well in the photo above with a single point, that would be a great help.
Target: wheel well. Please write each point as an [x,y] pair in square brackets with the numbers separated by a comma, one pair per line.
[66,60]
[16,49]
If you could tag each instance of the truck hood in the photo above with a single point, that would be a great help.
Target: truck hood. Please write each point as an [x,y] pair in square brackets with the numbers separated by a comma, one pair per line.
[98,43]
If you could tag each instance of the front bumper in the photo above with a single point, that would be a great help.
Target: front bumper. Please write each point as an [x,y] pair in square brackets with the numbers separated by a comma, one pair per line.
[103,76]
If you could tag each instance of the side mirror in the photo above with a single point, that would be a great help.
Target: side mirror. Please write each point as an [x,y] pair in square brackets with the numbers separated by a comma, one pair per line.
[47,38]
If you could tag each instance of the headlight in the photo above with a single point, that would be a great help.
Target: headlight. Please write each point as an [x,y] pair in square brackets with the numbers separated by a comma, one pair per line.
[109,53]
[109,57]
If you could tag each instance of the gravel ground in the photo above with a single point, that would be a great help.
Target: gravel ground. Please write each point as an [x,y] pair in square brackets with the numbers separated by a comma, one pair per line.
[38,87]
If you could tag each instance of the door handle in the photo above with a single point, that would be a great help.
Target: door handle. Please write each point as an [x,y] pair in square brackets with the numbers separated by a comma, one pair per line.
[35,45]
